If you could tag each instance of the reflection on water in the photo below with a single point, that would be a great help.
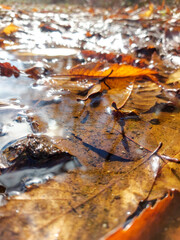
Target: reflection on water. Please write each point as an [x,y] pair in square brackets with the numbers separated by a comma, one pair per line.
[44,101]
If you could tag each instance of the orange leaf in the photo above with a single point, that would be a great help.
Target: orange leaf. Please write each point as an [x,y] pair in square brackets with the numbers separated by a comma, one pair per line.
[145,223]
[10,29]
[5,7]
[102,69]
[88,34]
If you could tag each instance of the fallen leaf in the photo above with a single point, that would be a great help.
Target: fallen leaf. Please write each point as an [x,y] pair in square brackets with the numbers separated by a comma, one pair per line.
[7,70]
[5,7]
[101,69]
[153,218]
[88,34]
[38,71]
[117,150]
[94,89]
[47,28]
[148,13]
[10,29]
[174,77]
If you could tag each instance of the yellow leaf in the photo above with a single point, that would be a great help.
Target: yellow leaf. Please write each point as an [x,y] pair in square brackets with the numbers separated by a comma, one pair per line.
[10,29]
[147,13]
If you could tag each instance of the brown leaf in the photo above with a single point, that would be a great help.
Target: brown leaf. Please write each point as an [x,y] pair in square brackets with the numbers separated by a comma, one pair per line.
[7,70]
[38,71]
[117,84]
[146,52]
[174,77]
[94,89]
[47,28]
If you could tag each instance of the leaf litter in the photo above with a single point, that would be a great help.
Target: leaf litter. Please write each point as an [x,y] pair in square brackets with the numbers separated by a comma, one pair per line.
[103,124]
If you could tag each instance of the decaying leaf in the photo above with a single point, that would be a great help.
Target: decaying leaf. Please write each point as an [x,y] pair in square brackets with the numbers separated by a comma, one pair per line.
[33,152]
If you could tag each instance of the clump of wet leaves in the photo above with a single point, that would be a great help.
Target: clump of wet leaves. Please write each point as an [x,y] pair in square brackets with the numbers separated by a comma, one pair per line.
[105,115]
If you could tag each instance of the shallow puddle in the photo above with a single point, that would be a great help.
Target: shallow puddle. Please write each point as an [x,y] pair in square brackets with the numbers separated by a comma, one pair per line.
[96,138]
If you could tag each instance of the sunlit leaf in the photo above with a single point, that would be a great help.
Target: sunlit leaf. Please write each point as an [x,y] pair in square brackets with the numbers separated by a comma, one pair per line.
[101,69]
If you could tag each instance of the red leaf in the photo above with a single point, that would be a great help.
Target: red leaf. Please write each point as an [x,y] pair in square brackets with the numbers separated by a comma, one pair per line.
[7,70]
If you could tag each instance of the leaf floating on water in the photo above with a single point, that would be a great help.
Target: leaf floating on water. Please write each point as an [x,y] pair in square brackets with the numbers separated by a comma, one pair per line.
[102,69]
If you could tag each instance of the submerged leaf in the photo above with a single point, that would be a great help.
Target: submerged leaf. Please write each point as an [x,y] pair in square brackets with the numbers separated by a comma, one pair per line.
[95,89]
